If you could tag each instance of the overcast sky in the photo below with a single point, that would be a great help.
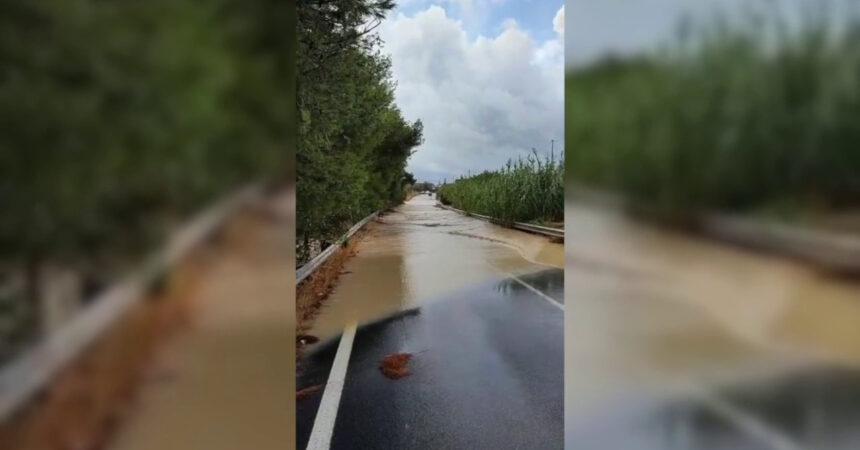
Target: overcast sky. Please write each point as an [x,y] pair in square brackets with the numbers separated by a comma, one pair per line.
[622,27]
[599,27]
[485,76]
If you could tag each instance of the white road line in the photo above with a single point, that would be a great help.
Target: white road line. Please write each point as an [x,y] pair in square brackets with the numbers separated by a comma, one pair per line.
[327,413]
[551,300]
[749,423]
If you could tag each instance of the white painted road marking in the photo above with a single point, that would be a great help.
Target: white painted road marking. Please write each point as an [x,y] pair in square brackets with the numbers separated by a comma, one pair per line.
[327,413]
[324,422]
[551,300]
[747,422]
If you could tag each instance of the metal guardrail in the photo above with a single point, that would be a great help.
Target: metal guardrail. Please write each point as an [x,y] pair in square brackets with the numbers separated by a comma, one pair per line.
[23,377]
[546,231]
[840,252]
[312,265]
[552,232]
[837,251]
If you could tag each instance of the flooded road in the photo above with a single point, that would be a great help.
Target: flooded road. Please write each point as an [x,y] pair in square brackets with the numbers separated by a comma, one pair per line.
[420,252]
[479,309]
[221,383]
[678,342]
[490,356]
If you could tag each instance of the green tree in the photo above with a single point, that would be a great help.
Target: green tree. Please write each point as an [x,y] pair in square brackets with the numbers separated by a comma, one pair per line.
[353,142]
[118,119]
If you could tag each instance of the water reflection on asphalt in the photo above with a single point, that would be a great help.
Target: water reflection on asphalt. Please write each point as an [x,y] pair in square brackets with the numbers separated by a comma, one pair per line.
[678,342]
[487,372]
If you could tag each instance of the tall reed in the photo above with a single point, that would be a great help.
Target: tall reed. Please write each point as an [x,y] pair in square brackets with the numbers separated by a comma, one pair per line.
[527,189]
[743,116]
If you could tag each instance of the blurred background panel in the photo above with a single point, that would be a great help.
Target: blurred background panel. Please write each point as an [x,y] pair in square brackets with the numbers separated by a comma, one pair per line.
[713,224]
[752,107]
[125,128]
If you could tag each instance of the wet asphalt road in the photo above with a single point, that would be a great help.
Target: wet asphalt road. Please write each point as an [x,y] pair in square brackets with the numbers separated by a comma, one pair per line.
[487,372]
[809,408]
[672,342]
[675,342]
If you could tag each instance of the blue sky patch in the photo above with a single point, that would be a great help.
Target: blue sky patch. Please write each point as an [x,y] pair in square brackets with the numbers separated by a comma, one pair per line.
[487,17]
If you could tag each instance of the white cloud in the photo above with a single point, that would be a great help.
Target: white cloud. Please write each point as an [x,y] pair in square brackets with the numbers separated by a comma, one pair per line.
[473,9]
[482,100]
[558,22]
[509,23]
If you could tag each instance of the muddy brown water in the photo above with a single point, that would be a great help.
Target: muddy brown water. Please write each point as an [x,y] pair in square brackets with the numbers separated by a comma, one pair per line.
[420,252]
[222,382]
[648,309]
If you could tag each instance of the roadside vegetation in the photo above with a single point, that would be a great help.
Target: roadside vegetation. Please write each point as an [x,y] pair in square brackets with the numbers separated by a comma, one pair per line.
[117,121]
[525,190]
[353,141]
[746,116]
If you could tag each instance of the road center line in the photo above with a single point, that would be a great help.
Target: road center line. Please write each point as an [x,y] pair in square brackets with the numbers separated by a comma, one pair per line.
[324,421]
[551,300]
[747,422]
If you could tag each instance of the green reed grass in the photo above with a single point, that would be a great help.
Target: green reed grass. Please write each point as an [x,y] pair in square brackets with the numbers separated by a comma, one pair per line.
[738,117]
[525,190]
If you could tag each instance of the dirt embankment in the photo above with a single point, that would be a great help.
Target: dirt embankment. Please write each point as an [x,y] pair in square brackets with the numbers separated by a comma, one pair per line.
[86,404]
[83,406]
[313,292]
